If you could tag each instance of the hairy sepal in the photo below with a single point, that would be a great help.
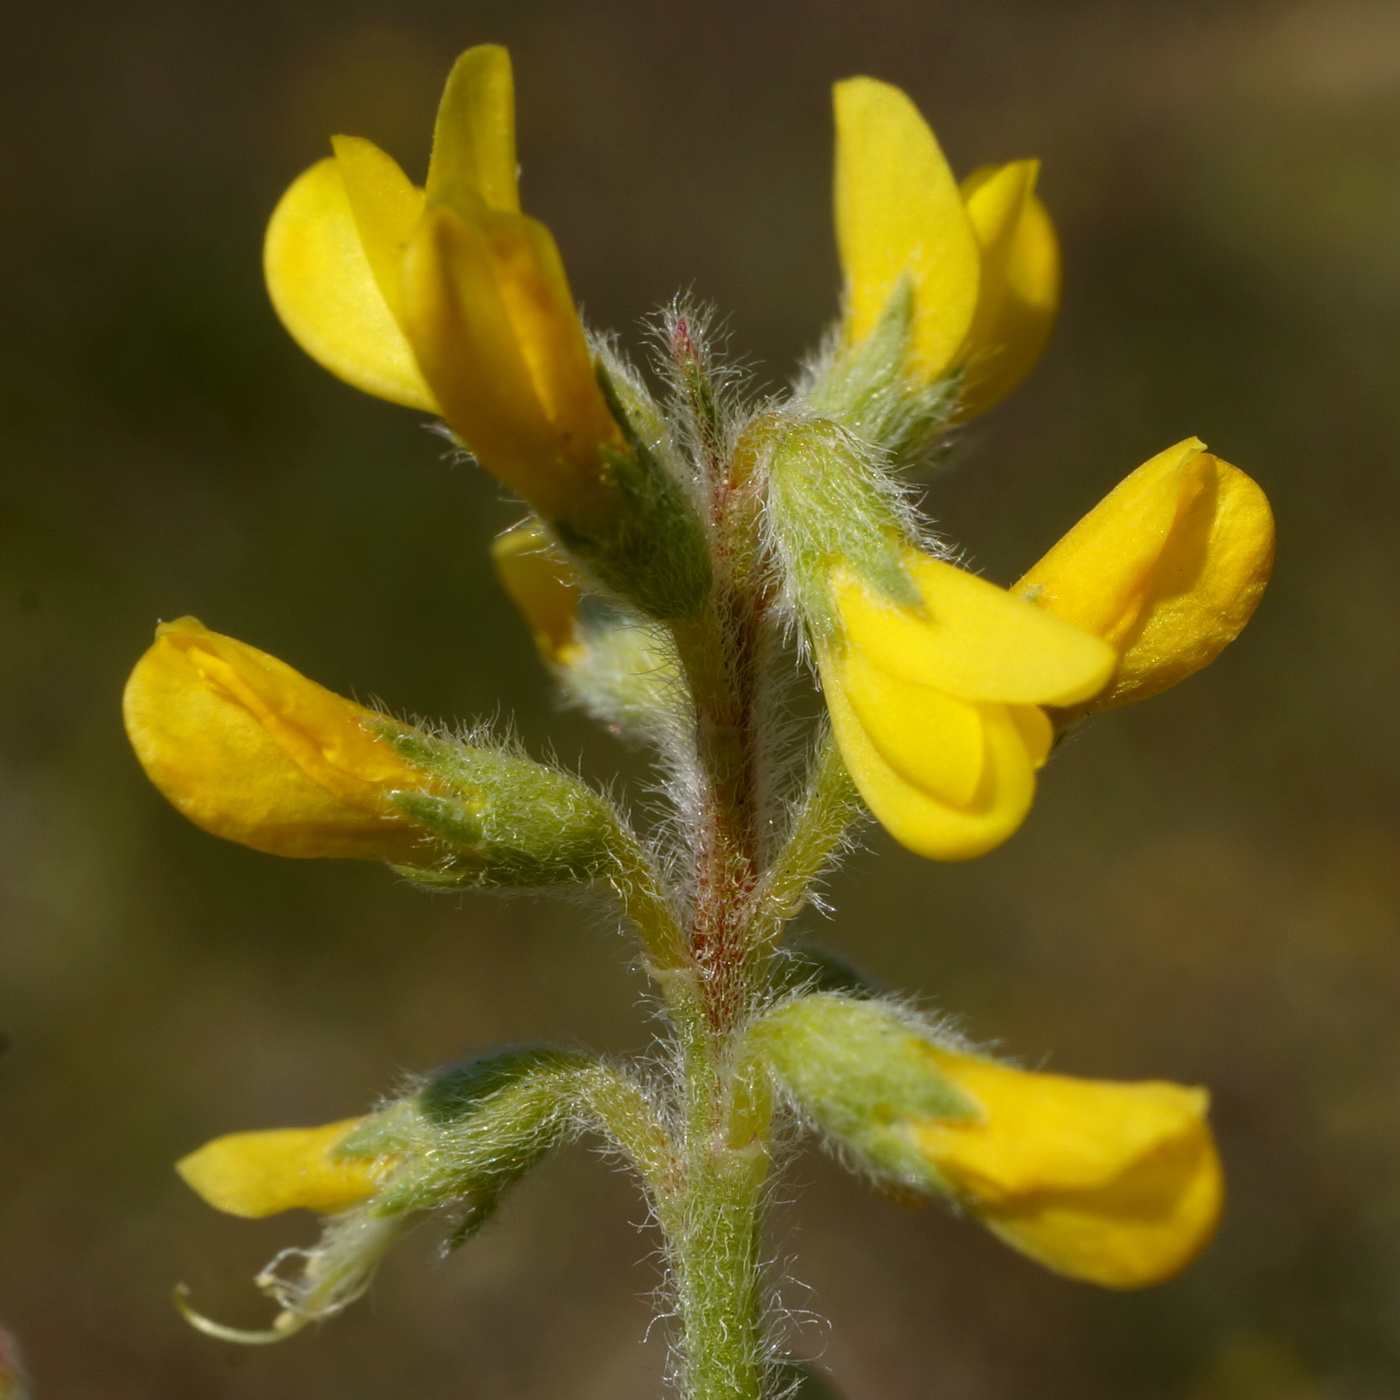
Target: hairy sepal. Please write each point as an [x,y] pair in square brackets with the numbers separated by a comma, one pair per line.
[509,821]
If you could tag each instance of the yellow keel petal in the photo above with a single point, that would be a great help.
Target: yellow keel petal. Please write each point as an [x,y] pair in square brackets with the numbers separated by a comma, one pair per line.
[922,821]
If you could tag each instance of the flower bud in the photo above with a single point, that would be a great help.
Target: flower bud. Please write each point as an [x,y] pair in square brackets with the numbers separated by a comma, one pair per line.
[262,1173]
[623,671]
[1116,1184]
[543,585]
[465,1136]
[253,751]
[1167,569]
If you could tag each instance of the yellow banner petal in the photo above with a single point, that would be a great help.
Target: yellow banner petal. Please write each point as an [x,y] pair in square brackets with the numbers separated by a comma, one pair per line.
[325,291]
[971,638]
[898,213]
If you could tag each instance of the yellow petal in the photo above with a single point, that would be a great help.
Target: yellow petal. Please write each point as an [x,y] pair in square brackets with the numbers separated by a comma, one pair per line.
[1168,567]
[261,1173]
[252,751]
[971,639]
[898,212]
[930,739]
[1019,291]
[474,139]
[1117,1184]
[921,818]
[327,295]
[492,321]
[386,206]
[542,584]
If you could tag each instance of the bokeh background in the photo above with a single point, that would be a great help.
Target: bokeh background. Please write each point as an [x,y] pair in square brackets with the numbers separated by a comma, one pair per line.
[1208,890]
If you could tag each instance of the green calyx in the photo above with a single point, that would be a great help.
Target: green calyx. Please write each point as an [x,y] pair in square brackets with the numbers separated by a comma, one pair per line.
[508,821]
[655,556]
[833,503]
[857,1068]
[471,1131]
[867,390]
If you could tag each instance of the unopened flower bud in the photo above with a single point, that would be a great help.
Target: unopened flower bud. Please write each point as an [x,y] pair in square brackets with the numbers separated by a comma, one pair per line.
[544,586]
[1116,1184]
[253,751]
[262,1173]
[465,1136]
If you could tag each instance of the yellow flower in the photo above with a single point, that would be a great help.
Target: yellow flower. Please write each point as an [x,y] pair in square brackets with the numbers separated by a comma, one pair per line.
[1019,291]
[936,707]
[253,751]
[543,586]
[262,1173]
[982,262]
[449,299]
[1167,568]
[1116,1184]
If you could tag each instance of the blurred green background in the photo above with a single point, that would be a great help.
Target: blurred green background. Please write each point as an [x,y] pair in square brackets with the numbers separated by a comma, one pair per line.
[1208,889]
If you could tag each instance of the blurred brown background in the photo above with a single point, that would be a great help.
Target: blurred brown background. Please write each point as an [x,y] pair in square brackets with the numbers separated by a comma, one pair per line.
[1208,890]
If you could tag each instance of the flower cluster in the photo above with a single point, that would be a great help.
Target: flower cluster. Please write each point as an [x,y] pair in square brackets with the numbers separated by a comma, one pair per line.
[686,555]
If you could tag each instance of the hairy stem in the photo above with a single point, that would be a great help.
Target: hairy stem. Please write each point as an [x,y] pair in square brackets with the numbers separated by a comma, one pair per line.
[718,1282]
[713,1218]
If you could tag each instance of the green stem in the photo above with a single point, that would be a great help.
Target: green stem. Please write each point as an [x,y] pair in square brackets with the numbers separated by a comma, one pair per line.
[715,1250]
